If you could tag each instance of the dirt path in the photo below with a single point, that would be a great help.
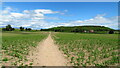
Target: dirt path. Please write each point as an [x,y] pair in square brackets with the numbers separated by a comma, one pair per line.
[48,54]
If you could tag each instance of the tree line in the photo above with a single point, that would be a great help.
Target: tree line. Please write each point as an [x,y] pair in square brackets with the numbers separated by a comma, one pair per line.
[81,29]
[10,28]
[75,29]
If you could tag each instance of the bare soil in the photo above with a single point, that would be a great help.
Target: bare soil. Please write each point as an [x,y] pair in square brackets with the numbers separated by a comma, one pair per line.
[47,54]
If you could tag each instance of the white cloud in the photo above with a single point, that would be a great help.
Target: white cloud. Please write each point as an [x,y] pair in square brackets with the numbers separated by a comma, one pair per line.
[36,19]
[79,21]
[26,11]
[7,10]
[99,20]
[44,11]
[28,18]
[17,14]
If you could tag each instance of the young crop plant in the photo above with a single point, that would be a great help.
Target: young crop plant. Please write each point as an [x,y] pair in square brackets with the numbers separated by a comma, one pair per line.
[89,49]
[18,45]
[5,59]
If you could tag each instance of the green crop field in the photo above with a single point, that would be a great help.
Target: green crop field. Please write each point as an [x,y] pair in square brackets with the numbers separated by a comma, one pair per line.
[89,49]
[16,45]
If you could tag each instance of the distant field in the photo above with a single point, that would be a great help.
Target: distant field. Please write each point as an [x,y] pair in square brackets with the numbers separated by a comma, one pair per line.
[16,45]
[89,49]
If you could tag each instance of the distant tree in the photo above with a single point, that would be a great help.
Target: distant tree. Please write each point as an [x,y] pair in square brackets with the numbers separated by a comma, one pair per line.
[21,28]
[26,29]
[93,29]
[56,30]
[41,30]
[29,29]
[13,28]
[76,30]
[8,28]
[111,32]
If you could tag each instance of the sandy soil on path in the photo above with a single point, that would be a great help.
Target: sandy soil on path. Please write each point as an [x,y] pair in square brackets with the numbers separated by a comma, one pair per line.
[48,54]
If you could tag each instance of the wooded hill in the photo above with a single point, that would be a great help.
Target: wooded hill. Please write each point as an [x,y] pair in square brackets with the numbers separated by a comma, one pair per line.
[82,29]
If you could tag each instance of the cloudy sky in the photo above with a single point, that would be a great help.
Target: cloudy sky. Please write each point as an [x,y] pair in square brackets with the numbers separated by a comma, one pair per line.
[37,15]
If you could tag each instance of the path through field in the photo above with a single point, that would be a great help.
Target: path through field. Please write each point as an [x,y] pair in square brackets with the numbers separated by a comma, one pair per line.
[48,54]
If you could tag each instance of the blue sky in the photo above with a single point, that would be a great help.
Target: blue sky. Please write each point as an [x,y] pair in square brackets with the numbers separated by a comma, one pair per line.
[51,14]
[61,0]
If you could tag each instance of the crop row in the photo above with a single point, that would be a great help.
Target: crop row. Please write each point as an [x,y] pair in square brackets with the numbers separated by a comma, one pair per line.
[89,49]
[16,47]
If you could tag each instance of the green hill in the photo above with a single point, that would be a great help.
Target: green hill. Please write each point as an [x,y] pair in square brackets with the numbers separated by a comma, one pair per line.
[81,29]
